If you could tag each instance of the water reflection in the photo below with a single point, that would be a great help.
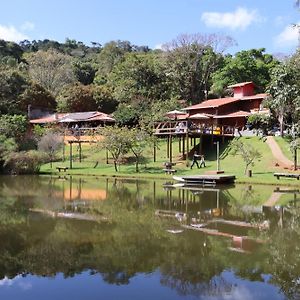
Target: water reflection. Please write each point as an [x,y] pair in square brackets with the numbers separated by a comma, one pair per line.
[198,242]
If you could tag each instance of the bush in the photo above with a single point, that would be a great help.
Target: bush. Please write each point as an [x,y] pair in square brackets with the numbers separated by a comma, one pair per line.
[24,162]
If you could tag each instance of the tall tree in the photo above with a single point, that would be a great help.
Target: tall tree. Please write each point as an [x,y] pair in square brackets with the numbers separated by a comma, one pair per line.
[51,69]
[247,65]
[284,92]
[12,85]
[76,98]
[190,61]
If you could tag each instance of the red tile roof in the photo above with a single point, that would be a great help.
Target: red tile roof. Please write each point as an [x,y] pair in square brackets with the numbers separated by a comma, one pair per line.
[236,114]
[240,84]
[213,103]
[257,96]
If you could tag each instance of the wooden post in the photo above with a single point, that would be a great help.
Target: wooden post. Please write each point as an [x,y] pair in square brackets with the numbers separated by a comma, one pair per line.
[80,152]
[71,155]
[168,146]
[154,151]
[179,144]
[212,134]
[183,145]
[201,144]
[187,149]
[295,159]
[171,154]
[106,153]
[64,150]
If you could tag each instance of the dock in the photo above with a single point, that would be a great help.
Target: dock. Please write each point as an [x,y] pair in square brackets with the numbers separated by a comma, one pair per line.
[206,179]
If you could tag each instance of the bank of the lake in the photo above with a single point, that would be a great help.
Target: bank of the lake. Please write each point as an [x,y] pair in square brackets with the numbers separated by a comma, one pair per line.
[94,163]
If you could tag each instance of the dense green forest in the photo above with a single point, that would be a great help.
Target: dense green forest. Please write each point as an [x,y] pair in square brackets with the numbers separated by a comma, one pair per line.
[123,78]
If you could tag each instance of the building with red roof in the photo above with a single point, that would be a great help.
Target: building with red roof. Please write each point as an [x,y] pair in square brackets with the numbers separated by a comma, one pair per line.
[230,111]
[217,116]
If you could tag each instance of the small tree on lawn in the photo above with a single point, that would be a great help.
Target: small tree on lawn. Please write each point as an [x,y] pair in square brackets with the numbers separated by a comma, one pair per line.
[138,140]
[248,153]
[116,142]
[50,143]
[294,146]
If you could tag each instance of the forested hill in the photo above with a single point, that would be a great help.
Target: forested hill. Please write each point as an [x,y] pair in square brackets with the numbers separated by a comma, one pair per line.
[133,82]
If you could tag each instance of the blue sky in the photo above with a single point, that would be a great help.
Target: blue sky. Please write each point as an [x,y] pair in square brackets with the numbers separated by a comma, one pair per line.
[252,23]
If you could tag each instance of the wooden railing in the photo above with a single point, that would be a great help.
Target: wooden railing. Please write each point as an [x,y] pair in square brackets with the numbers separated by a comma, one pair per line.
[179,128]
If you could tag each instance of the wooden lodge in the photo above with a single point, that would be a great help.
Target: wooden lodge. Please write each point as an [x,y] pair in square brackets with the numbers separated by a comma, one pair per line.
[216,117]
[82,120]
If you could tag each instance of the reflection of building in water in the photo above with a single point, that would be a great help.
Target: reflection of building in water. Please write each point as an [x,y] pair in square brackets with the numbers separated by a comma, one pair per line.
[211,211]
[77,191]
[85,194]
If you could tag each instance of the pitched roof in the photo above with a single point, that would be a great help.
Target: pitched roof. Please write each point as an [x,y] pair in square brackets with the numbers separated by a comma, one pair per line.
[257,96]
[74,117]
[235,114]
[47,119]
[213,103]
[240,84]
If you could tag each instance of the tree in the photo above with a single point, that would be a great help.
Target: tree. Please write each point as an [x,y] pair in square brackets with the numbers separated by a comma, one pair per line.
[138,141]
[294,146]
[284,94]
[105,101]
[248,153]
[7,146]
[135,80]
[76,98]
[190,61]
[84,72]
[51,69]
[115,142]
[12,85]
[259,121]
[50,143]
[36,96]
[247,65]
[14,126]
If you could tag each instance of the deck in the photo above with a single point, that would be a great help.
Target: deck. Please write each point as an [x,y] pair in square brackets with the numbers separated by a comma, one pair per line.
[181,128]
[206,179]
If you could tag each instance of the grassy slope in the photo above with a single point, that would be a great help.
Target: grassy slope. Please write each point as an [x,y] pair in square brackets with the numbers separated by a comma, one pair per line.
[285,147]
[262,171]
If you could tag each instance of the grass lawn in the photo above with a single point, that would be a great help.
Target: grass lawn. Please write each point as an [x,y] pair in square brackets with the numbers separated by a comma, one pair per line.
[94,163]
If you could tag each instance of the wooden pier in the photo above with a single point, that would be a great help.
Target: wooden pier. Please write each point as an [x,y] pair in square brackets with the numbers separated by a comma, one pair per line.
[206,179]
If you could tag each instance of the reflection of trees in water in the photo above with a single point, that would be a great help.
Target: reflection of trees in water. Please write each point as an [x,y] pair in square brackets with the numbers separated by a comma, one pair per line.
[215,287]
[136,241]
[284,259]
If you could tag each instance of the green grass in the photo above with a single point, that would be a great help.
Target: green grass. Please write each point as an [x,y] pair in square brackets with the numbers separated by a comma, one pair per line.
[262,171]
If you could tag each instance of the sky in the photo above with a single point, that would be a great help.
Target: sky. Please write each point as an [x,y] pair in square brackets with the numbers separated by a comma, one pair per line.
[251,23]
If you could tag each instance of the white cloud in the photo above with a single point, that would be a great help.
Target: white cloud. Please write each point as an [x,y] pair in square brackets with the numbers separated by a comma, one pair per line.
[241,18]
[240,293]
[10,33]
[7,281]
[27,26]
[288,37]
[158,47]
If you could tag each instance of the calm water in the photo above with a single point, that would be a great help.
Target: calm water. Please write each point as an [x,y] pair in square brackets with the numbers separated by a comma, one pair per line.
[104,238]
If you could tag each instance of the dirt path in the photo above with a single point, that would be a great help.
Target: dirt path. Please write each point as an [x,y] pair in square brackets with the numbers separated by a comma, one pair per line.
[280,158]
[274,198]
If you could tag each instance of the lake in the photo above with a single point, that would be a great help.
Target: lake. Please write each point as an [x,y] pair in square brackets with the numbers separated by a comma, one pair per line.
[108,238]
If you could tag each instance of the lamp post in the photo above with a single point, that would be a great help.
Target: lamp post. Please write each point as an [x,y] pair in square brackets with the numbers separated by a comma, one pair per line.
[218,155]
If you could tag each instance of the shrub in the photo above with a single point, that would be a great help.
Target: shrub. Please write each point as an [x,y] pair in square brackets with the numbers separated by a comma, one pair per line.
[24,162]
